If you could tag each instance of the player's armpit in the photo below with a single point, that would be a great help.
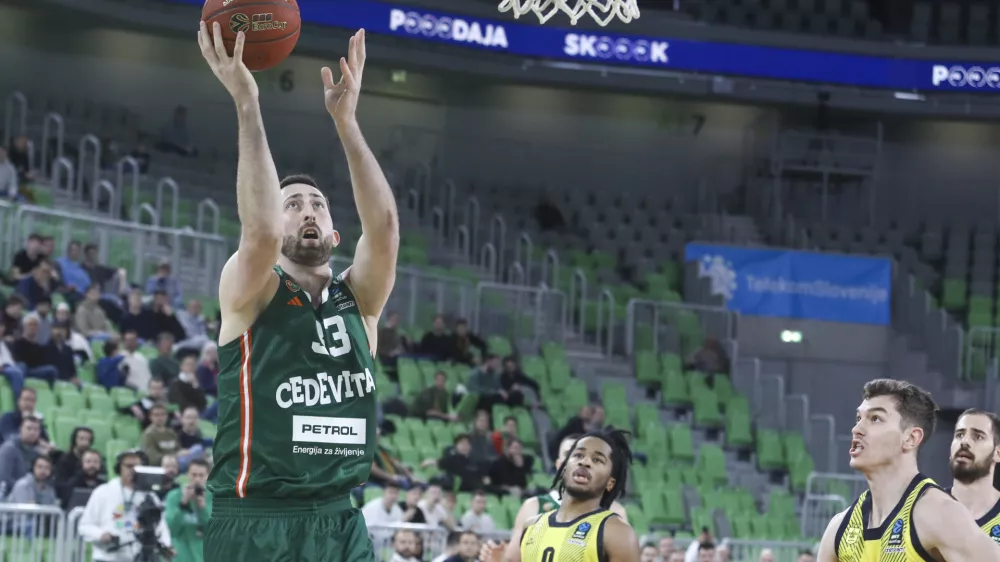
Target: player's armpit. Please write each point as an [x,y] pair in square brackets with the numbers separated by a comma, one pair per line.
[620,510]
[620,542]
[947,529]
[528,510]
[828,546]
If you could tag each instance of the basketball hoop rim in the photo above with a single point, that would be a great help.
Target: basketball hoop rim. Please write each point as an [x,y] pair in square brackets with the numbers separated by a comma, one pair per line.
[602,11]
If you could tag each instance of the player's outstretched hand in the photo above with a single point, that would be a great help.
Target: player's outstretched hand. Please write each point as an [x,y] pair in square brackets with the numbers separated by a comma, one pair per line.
[230,70]
[492,551]
[341,98]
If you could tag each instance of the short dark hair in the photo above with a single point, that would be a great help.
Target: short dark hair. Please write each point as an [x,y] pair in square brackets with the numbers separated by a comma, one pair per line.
[298,178]
[510,418]
[454,537]
[198,462]
[45,458]
[478,493]
[90,451]
[707,545]
[89,247]
[30,419]
[994,421]
[43,299]
[915,405]
[461,437]
[157,406]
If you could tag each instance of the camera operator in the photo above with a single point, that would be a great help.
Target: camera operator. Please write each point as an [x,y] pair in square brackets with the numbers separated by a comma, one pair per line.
[113,518]
[187,513]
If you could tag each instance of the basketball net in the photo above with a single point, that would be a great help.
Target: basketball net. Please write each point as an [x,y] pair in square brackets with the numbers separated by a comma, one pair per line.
[603,11]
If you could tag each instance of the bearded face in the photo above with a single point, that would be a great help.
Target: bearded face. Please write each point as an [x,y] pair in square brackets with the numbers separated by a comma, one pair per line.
[309,237]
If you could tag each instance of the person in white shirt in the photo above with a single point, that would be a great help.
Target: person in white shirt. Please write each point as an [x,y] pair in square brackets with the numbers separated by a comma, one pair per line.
[8,367]
[138,366]
[383,511]
[434,510]
[111,514]
[476,519]
[8,176]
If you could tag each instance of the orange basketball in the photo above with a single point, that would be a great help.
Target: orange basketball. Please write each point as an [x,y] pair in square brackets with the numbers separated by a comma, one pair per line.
[271,28]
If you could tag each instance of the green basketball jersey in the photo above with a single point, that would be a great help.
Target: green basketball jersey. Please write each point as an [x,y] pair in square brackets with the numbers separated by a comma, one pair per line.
[297,399]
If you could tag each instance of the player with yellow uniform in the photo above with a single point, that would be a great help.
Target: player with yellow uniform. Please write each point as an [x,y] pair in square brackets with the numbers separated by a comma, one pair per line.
[903,516]
[975,450]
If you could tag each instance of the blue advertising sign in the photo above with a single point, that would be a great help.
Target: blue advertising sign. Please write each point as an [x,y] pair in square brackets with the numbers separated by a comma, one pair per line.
[791,284]
[506,36]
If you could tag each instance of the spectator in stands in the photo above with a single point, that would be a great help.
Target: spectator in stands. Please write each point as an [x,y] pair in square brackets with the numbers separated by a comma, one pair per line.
[141,154]
[75,278]
[184,390]
[383,510]
[107,279]
[411,506]
[676,556]
[28,258]
[434,402]
[706,552]
[207,373]
[468,548]
[13,313]
[48,246]
[187,510]
[806,556]
[138,318]
[710,358]
[175,136]
[666,547]
[387,470]
[87,477]
[30,355]
[166,320]
[171,469]
[484,381]
[8,366]
[8,177]
[391,343]
[112,511]
[766,555]
[506,434]
[481,438]
[135,363]
[37,285]
[10,422]
[450,546]
[164,365]
[471,474]
[192,442]
[19,154]
[512,471]
[513,381]
[432,505]
[69,462]
[438,344]
[79,344]
[476,519]
[722,552]
[648,553]
[195,327]
[112,369]
[163,281]
[156,395]
[61,354]
[576,425]
[35,487]
[464,342]
[693,553]
[43,308]
[90,318]
[17,455]
[406,546]
[158,440]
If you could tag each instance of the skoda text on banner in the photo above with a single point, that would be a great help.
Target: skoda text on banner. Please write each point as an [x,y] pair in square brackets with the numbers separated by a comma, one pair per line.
[611,49]
[793,284]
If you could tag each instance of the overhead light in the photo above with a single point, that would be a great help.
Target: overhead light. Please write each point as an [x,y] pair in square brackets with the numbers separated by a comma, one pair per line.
[791,336]
[908,96]
[398,76]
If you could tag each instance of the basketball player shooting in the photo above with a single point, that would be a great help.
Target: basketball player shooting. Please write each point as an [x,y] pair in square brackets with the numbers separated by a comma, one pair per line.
[296,392]
[584,527]
[975,451]
[903,516]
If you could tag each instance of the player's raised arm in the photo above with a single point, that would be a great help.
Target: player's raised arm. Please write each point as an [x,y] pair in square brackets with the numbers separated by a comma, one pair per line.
[828,546]
[258,195]
[374,270]
[620,542]
[947,528]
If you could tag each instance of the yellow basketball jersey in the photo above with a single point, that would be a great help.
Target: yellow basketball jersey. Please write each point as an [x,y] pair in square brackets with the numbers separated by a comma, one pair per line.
[579,540]
[893,541]
[990,523]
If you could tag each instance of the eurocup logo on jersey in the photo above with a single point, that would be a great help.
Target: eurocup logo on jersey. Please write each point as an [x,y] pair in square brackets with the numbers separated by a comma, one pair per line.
[961,76]
[620,48]
[720,273]
[448,28]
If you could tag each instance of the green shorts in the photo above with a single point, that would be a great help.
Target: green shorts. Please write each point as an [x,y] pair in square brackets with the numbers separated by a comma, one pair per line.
[274,530]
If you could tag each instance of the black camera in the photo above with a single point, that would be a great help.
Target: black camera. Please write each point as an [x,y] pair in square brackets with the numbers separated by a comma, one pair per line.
[198,491]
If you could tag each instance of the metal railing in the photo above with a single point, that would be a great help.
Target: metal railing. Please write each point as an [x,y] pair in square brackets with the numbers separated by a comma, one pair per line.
[197,257]
[523,314]
[15,122]
[53,130]
[32,533]
[827,495]
[980,351]
[663,323]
